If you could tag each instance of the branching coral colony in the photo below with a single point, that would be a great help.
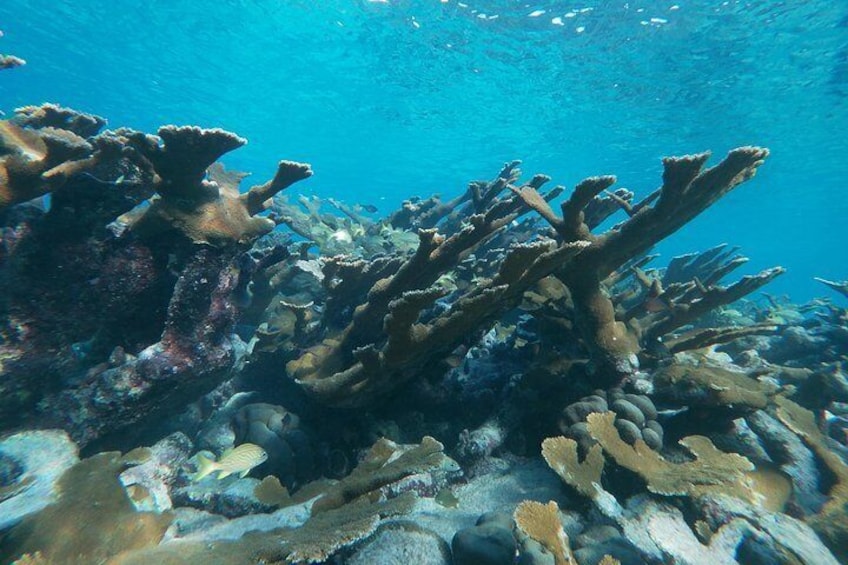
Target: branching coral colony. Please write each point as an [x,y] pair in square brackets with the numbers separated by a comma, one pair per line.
[149,279]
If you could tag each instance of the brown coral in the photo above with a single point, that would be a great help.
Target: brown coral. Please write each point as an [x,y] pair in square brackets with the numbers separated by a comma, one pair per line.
[34,162]
[686,192]
[206,210]
[711,470]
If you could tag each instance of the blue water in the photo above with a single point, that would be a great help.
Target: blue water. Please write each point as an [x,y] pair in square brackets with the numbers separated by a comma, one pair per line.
[399,98]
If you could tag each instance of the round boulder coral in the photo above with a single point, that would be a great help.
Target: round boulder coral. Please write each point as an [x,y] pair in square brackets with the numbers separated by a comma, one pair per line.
[635,417]
[290,454]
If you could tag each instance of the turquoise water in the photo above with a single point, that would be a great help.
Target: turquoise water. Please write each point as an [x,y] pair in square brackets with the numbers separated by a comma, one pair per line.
[399,98]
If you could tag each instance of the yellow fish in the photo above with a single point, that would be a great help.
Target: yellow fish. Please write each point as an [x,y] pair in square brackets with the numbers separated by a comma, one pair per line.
[239,460]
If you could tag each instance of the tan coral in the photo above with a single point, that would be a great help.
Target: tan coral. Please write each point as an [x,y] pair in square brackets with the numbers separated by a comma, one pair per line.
[384,464]
[206,210]
[58,117]
[35,162]
[561,455]
[706,385]
[541,522]
[712,470]
[92,521]
[831,522]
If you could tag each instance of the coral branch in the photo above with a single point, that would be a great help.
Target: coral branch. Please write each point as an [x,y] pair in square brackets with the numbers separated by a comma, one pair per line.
[840,287]
[10,62]
[711,471]
[204,210]
[687,191]
[288,173]
[37,161]
[682,314]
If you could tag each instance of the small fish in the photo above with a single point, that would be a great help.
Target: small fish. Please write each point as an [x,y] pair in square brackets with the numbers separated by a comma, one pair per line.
[239,460]
[447,498]
[370,208]
[342,236]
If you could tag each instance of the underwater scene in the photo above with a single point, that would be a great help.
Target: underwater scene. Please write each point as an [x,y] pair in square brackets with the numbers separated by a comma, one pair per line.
[401,282]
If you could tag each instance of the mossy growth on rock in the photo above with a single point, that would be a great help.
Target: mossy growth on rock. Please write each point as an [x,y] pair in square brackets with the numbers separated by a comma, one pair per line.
[385,463]
[705,385]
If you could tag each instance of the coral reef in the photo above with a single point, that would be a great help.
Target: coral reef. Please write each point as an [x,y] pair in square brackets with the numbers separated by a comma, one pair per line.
[687,190]
[115,305]
[93,500]
[150,300]
[725,488]
[351,368]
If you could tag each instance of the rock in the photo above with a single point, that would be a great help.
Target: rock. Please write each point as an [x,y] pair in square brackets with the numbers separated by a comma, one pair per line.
[652,439]
[402,543]
[635,413]
[154,476]
[487,544]
[188,521]
[596,535]
[33,461]
[617,547]
[532,552]
[290,454]
[628,431]
[644,404]
[577,411]
[231,497]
